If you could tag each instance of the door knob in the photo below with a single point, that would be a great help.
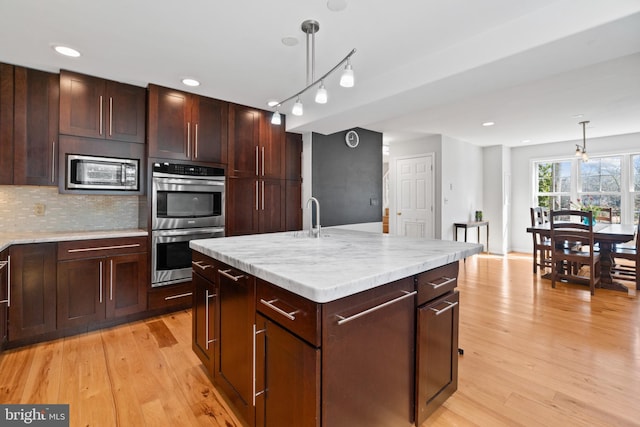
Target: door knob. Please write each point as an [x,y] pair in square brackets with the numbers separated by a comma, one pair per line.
[399,213]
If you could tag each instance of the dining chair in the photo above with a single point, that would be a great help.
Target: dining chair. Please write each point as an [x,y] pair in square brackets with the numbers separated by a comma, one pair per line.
[627,269]
[541,244]
[572,245]
[605,215]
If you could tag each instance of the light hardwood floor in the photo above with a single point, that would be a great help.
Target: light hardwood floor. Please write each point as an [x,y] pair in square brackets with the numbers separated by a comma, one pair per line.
[533,356]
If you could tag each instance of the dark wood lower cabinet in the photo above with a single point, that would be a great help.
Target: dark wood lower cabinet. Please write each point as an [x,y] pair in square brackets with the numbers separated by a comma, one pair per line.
[33,290]
[204,321]
[437,353]
[4,297]
[287,378]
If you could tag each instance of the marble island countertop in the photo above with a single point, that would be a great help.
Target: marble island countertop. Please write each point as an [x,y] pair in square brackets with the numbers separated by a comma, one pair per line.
[14,238]
[341,263]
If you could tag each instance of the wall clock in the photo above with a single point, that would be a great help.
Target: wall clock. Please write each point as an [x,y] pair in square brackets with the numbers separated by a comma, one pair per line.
[352,139]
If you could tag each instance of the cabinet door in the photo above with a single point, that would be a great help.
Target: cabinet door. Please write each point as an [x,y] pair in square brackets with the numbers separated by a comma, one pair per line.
[204,315]
[81,285]
[35,127]
[82,111]
[368,343]
[271,196]
[243,203]
[287,378]
[293,156]
[126,290]
[168,130]
[33,290]
[436,354]
[293,205]
[6,124]
[234,370]
[244,134]
[272,149]
[125,107]
[210,119]
[4,297]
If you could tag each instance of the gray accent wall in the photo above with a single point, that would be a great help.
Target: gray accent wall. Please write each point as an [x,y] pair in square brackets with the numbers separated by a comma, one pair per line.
[347,181]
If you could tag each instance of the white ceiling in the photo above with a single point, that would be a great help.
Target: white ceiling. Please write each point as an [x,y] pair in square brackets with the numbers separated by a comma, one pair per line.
[421,66]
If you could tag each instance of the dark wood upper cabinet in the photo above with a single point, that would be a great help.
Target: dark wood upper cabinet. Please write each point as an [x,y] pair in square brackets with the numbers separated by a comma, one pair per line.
[36,108]
[6,123]
[96,108]
[256,146]
[186,126]
[293,156]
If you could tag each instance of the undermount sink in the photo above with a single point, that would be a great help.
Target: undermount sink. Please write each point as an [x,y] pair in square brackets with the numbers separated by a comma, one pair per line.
[304,234]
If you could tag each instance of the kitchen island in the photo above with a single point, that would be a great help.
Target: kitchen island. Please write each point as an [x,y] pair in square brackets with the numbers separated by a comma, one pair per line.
[353,328]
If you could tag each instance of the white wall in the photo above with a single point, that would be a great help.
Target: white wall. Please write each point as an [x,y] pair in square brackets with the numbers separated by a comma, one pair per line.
[496,200]
[458,180]
[462,184]
[521,170]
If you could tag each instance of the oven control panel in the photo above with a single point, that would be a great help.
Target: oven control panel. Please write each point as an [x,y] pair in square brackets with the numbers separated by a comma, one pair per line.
[186,170]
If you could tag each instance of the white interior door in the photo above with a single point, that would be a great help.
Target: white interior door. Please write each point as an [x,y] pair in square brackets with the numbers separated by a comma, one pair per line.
[414,196]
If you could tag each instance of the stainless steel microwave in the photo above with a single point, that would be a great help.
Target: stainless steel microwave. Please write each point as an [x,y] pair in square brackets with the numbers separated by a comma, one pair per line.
[102,173]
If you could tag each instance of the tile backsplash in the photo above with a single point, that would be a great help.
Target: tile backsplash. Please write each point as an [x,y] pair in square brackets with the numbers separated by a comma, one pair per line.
[33,208]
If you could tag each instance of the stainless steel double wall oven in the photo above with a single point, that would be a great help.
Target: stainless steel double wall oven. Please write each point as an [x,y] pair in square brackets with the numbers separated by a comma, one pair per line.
[188,202]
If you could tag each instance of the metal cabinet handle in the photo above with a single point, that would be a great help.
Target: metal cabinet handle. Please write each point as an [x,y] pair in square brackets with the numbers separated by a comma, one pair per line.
[447,308]
[257,191]
[100,120]
[4,264]
[206,316]
[226,273]
[446,282]
[195,142]
[187,294]
[254,394]
[100,290]
[290,316]
[53,161]
[263,160]
[110,116]
[262,194]
[102,248]
[188,138]
[111,280]
[344,320]
[199,264]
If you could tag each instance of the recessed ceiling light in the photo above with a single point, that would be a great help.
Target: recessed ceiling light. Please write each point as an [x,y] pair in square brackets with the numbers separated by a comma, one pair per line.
[337,5]
[67,51]
[289,41]
[190,82]
[486,124]
[577,116]
[272,103]
[525,141]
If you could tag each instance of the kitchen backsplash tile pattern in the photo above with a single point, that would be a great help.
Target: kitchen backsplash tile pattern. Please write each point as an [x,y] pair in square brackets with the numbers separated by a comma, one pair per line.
[33,208]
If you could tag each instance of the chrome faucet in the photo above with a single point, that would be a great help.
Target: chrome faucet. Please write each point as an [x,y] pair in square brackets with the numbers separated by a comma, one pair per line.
[317,230]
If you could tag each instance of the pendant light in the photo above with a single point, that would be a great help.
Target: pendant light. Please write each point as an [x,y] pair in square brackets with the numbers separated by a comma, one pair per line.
[310,28]
[582,151]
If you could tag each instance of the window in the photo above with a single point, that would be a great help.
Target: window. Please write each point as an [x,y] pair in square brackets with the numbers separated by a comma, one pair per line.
[607,181]
[635,187]
[554,184]
[601,184]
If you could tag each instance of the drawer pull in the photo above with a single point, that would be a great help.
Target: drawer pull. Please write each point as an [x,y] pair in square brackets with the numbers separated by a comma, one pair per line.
[446,282]
[448,307]
[226,273]
[290,316]
[199,264]
[188,294]
[344,320]
[3,264]
[104,248]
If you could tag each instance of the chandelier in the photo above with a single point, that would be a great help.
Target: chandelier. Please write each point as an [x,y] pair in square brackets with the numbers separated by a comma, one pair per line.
[582,151]
[310,28]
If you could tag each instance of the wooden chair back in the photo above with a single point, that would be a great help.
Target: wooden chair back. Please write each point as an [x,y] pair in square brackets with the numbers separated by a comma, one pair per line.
[569,242]
[605,215]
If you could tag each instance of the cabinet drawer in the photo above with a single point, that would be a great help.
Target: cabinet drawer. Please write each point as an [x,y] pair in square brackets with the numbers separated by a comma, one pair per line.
[295,313]
[433,283]
[204,266]
[79,249]
[180,295]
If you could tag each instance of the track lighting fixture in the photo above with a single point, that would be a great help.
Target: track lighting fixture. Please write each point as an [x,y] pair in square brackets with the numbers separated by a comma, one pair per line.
[310,28]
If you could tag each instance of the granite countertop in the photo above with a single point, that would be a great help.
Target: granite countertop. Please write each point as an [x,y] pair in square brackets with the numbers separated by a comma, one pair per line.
[13,238]
[339,264]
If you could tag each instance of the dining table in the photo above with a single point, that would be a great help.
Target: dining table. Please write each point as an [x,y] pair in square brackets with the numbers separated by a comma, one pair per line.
[606,236]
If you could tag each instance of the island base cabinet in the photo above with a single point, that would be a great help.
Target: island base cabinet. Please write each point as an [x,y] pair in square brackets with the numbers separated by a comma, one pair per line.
[204,314]
[436,354]
[368,343]
[287,378]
